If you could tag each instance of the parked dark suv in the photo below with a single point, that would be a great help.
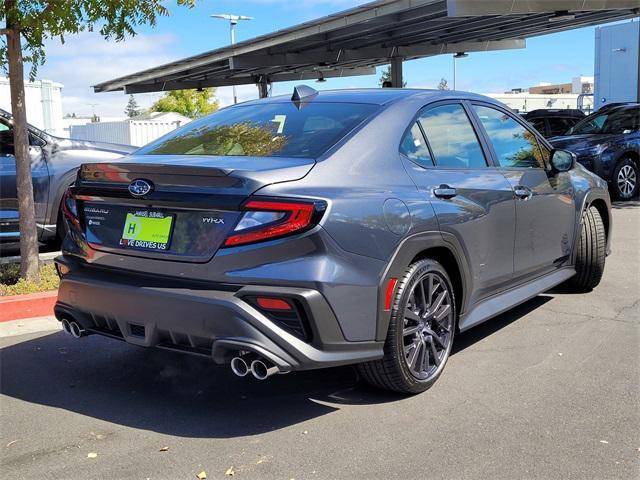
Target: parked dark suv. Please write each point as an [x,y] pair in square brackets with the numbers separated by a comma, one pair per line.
[343,227]
[551,122]
[607,142]
[54,164]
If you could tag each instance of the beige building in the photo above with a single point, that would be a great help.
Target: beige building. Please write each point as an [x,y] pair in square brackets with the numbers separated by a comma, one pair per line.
[577,94]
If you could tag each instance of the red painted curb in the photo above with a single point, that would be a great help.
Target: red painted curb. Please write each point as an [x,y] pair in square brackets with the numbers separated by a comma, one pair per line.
[16,307]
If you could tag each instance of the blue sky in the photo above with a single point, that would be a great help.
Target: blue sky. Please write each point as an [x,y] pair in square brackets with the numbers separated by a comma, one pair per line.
[86,59]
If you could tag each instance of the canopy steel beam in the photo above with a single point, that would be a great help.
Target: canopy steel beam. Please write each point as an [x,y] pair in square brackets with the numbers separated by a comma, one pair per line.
[276,60]
[247,80]
[473,8]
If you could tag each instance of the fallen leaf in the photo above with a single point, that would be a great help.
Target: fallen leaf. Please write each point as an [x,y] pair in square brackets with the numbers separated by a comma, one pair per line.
[202,475]
[230,472]
[14,441]
[92,455]
[603,441]
[164,449]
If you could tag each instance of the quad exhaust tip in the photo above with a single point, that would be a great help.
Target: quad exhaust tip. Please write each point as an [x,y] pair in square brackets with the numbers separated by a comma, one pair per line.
[261,371]
[66,326]
[242,365]
[239,367]
[76,330]
[73,328]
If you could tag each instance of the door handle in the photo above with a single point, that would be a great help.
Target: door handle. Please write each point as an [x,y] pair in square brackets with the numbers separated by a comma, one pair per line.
[522,192]
[444,191]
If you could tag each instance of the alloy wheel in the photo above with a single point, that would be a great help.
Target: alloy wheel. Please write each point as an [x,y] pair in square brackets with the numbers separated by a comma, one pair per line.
[626,180]
[428,326]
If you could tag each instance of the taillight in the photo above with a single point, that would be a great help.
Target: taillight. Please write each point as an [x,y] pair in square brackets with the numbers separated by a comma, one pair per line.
[70,209]
[269,219]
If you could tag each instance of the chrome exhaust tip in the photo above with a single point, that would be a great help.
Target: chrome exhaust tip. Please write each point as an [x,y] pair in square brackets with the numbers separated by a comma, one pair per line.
[76,330]
[239,366]
[261,371]
[66,326]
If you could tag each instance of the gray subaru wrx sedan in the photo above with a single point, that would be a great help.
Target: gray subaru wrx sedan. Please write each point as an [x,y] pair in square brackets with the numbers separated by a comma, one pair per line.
[343,227]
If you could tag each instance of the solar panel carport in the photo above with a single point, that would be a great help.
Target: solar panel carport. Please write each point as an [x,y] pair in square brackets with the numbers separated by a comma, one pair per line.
[355,41]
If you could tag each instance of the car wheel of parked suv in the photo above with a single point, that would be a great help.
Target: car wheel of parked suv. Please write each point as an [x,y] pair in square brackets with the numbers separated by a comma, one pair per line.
[591,252]
[625,179]
[421,331]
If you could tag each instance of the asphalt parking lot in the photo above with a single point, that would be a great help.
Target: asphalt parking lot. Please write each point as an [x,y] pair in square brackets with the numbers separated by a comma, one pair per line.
[550,390]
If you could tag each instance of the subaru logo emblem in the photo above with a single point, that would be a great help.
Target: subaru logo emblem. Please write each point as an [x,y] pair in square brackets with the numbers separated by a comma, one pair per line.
[139,187]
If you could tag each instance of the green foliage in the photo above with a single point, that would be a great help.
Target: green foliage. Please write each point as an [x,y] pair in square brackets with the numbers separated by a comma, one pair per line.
[190,103]
[385,76]
[443,85]
[237,139]
[40,20]
[132,109]
[12,284]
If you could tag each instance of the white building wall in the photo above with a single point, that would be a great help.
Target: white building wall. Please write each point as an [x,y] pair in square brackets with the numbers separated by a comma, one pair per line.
[43,100]
[128,132]
[526,102]
[142,132]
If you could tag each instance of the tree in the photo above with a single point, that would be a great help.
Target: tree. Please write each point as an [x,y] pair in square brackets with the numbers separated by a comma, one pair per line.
[190,103]
[385,77]
[35,21]
[132,109]
[443,85]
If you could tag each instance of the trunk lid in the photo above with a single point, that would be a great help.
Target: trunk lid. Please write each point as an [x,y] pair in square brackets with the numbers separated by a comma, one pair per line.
[192,204]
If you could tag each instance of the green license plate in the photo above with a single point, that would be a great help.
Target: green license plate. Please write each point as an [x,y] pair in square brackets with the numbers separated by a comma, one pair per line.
[147,230]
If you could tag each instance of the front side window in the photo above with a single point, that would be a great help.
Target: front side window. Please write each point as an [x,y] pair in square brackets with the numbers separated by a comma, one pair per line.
[265,130]
[515,146]
[415,148]
[451,137]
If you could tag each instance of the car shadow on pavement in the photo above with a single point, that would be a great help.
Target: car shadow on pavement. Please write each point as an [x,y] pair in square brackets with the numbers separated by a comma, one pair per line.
[626,204]
[181,395]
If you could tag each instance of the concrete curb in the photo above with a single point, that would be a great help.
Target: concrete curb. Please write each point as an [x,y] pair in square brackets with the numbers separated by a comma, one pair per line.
[17,307]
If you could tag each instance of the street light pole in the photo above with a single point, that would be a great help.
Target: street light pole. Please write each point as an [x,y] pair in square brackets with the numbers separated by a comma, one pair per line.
[233,21]
[455,58]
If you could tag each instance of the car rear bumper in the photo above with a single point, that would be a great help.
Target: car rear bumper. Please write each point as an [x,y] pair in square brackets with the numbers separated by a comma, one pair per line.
[214,321]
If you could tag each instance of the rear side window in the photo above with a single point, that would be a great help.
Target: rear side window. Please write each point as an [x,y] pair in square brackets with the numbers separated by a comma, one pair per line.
[515,146]
[557,126]
[538,124]
[415,148]
[265,130]
[452,138]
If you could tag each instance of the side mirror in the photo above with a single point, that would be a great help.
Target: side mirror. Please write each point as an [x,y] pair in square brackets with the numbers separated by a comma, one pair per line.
[562,160]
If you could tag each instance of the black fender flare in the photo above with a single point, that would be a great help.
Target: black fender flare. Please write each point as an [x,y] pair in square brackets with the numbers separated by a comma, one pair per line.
[406,251]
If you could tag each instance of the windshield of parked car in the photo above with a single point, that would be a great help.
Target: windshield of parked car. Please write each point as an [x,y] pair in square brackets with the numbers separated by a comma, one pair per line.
[625,120]
[270,129]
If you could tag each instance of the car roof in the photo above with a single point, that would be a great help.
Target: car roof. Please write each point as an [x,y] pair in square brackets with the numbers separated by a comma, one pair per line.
[555,112]
[376,96]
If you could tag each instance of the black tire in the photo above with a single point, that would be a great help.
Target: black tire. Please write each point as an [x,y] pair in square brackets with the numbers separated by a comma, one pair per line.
[626,179]
[392,371]
[591,253]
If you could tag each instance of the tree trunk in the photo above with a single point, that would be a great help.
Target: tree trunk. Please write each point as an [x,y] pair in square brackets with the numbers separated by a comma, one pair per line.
[28,232]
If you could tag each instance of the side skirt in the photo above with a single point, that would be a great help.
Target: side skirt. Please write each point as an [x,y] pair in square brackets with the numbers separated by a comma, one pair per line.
[504,301]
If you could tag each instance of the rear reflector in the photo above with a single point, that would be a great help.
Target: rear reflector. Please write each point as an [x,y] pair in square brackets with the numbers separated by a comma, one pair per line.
[296,217]
[273,303]
[388,297]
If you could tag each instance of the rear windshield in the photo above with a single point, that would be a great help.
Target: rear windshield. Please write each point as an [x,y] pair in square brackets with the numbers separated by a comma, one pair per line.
[266,130]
